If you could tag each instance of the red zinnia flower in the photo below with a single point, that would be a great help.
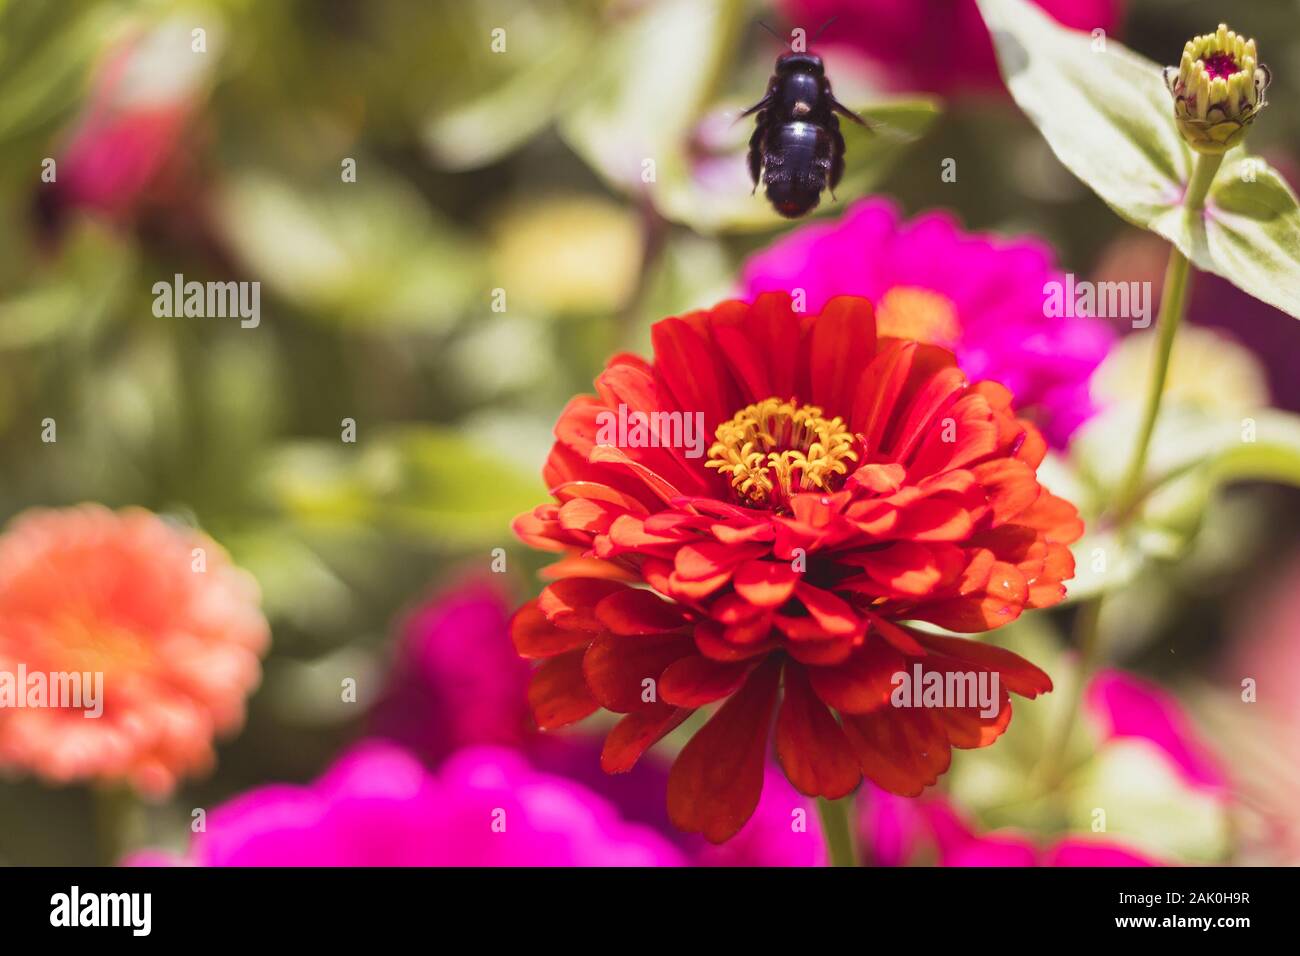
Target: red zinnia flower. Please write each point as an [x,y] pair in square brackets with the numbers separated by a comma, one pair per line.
[854,482]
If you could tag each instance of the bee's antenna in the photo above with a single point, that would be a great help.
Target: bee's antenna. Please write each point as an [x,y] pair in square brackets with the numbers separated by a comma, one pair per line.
[822,28]
[774,33]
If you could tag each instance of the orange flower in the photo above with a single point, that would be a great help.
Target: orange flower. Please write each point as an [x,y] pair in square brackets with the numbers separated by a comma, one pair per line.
[158,610]
[853,482]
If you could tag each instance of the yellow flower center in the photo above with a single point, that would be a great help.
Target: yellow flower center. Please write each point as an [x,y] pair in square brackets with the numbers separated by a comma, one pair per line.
[909,312]
[774,449]
[76,642]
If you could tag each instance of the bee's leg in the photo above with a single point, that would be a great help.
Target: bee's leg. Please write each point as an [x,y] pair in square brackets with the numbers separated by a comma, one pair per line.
[837,155]
[761,104]
[755,156]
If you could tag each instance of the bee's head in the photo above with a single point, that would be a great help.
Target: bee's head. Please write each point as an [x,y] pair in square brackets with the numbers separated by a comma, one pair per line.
[788,63]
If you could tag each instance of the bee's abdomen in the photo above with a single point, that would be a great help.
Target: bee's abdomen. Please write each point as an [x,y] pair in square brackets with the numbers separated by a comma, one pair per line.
[797,164]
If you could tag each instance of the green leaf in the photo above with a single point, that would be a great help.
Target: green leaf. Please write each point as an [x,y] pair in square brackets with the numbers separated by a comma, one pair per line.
[1252,232]
[45,52]
[1108,116]
[1189,438]
[1104,111]
[526,88]
[1194,453]
[365,253]
[75,295]
[432,484]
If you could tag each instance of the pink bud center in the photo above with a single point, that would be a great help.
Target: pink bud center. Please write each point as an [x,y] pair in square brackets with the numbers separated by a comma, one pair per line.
[1220,65]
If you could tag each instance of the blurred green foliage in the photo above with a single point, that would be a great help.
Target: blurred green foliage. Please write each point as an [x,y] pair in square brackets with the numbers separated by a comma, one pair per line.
[474,171]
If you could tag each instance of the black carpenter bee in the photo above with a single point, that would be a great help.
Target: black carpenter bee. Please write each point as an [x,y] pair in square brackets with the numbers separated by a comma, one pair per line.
[797,148]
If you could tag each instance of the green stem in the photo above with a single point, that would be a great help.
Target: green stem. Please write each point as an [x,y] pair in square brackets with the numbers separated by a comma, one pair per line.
[116,817]
[1087,632]
[1173,301]
[1203,173]
[837,830]
[1173,304]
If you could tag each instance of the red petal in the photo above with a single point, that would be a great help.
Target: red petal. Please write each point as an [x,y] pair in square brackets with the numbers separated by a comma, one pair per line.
[761,346]
[901,639]
[1002,599]
[883,479]
[539,533]
[638,611]
[595,491]
[1018,675]
[969,729]
[937,393]
[592,517]
[1011,487]
[903,568]
[833,614]
[698,562]
[616,668]
[861,684]
[636,733]
[934,519]
[696,681]
[1055,517]
[878,389]
[616,457]
[571,603]
[899,749]
[716,781]
[711,643]
[577,566]
[558,693]
[687,365]
[842,343]
[765,583]
[821,653]
[535,637]
[813,750]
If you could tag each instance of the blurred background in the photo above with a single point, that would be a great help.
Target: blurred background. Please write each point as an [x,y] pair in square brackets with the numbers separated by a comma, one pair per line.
[449,212]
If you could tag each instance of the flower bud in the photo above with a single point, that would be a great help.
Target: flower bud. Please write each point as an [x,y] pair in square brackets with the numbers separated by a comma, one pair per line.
[1218,88]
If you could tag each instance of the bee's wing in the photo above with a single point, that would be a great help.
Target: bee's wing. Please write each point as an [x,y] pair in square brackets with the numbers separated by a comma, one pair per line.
[761,104]
[847,113]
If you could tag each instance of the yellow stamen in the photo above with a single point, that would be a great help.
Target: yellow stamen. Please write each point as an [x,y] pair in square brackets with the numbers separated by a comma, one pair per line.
[774,449]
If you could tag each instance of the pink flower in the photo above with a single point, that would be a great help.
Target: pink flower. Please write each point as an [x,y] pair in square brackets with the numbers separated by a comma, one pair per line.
[784,831]
[897,832]
[937,46]
[379,806]
[981,297]
[961,845]
[456,679]
[1122,706]
[130,139]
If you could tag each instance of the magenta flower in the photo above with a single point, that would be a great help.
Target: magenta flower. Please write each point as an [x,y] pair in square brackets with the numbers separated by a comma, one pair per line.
[456,680]
[897,832]
[129,144]
[982,297]
[960,845]
[784,831]
[936,46]
[1122,705]
[379,806]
